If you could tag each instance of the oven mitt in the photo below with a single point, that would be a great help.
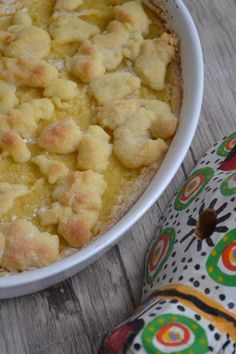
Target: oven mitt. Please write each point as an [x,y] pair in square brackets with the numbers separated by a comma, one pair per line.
[189,292]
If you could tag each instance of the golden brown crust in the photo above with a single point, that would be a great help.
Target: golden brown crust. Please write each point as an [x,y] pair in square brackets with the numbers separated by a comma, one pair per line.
[27,247]
[52,215]
[25,118]
[76,229]
[12,144]
[155,56]
[165,123]
[6,37]
[94,150]
[115,113]
[110,44]
[72,29]
[133,16]
[31,42]
[54,170]
[27,72]
[80,190]
[104,88]
[76,210]
[62,88]
[87,63]
[21,18]
[8,98]
[62,137]
[133,145]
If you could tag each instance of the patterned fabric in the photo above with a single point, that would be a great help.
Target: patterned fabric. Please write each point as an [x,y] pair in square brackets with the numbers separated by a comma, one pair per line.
[189,292]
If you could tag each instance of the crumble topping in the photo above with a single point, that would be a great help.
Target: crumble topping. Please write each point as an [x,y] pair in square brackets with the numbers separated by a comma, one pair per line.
[85,110]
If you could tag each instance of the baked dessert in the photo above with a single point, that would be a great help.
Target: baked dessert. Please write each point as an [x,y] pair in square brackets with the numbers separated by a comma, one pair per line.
[90,94]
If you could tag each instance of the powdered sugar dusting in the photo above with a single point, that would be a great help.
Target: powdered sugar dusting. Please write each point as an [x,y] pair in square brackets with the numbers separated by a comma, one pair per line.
[8,7]
[67,252]
[59,64]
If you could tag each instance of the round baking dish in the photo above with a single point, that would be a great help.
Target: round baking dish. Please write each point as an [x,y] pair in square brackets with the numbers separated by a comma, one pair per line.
[192,70]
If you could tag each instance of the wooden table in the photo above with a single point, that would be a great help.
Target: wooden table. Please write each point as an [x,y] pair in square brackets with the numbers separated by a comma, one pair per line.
[73,316]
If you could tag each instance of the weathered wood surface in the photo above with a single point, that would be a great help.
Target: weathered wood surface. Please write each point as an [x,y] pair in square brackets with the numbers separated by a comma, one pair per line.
[73,316]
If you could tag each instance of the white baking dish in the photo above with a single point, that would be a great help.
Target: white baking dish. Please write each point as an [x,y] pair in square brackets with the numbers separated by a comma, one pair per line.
[192,68]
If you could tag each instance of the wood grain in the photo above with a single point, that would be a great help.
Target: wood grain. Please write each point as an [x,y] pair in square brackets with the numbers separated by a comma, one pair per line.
[73,316]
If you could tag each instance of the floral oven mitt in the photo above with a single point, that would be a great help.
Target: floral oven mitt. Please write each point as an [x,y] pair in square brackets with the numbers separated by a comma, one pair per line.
[189,292]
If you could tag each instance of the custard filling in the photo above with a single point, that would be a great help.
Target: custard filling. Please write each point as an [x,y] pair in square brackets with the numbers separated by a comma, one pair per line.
[90,94]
